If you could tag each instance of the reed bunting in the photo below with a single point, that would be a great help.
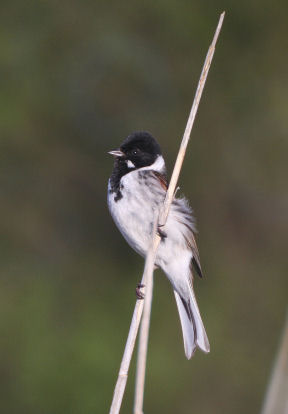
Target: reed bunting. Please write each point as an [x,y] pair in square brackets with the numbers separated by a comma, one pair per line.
[136,191]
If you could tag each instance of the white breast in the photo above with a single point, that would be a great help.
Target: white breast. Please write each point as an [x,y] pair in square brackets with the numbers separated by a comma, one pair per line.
[133,212]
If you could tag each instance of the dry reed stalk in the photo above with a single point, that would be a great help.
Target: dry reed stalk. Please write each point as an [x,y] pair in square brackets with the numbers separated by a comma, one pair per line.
[145,323]
[147,278]
[144,331]
[276,399]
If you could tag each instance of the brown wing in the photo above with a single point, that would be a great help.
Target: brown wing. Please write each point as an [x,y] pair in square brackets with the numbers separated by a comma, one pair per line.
[196,258]
[162,180]
[187,219]
[190,240]
[191,243]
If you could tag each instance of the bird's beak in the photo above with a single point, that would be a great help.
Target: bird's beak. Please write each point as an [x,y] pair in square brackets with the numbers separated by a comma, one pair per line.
[117,153]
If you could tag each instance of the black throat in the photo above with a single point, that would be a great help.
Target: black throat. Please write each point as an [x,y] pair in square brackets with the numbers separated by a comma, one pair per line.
[120,169]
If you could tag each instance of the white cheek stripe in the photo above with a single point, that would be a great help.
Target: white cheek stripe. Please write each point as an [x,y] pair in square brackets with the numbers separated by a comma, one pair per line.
[130,164]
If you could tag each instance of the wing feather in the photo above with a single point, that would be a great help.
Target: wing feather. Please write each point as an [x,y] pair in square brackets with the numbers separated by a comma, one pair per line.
[187,219]
[184,216]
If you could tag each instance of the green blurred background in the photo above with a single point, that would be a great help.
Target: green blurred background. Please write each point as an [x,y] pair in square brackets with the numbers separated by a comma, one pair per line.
[76,78]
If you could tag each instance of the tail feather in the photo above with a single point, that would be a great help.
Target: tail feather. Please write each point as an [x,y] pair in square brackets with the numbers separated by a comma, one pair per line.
[193,330]
[188,330]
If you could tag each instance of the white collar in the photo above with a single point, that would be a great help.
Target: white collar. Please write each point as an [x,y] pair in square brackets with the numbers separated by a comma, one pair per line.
[158,165]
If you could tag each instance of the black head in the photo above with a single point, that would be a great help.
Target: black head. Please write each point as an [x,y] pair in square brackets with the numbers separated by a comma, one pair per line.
[138,150]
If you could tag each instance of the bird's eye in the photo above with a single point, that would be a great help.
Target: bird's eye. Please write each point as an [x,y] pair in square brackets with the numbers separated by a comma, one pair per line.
[135,152]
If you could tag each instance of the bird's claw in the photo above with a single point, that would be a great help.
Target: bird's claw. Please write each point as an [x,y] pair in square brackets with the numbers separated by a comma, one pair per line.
[140,295]
[161,233]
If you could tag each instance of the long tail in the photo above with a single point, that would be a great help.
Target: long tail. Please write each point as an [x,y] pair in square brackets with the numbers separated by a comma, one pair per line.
[193,330]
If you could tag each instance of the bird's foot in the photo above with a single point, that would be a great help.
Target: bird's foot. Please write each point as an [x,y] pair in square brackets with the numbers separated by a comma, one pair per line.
[161,233]
[140,295]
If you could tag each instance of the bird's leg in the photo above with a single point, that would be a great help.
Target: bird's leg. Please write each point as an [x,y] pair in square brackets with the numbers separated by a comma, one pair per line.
[161,233]
[140,295]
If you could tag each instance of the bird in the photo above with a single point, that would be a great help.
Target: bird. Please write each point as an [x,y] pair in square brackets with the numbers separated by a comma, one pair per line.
[136,191]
